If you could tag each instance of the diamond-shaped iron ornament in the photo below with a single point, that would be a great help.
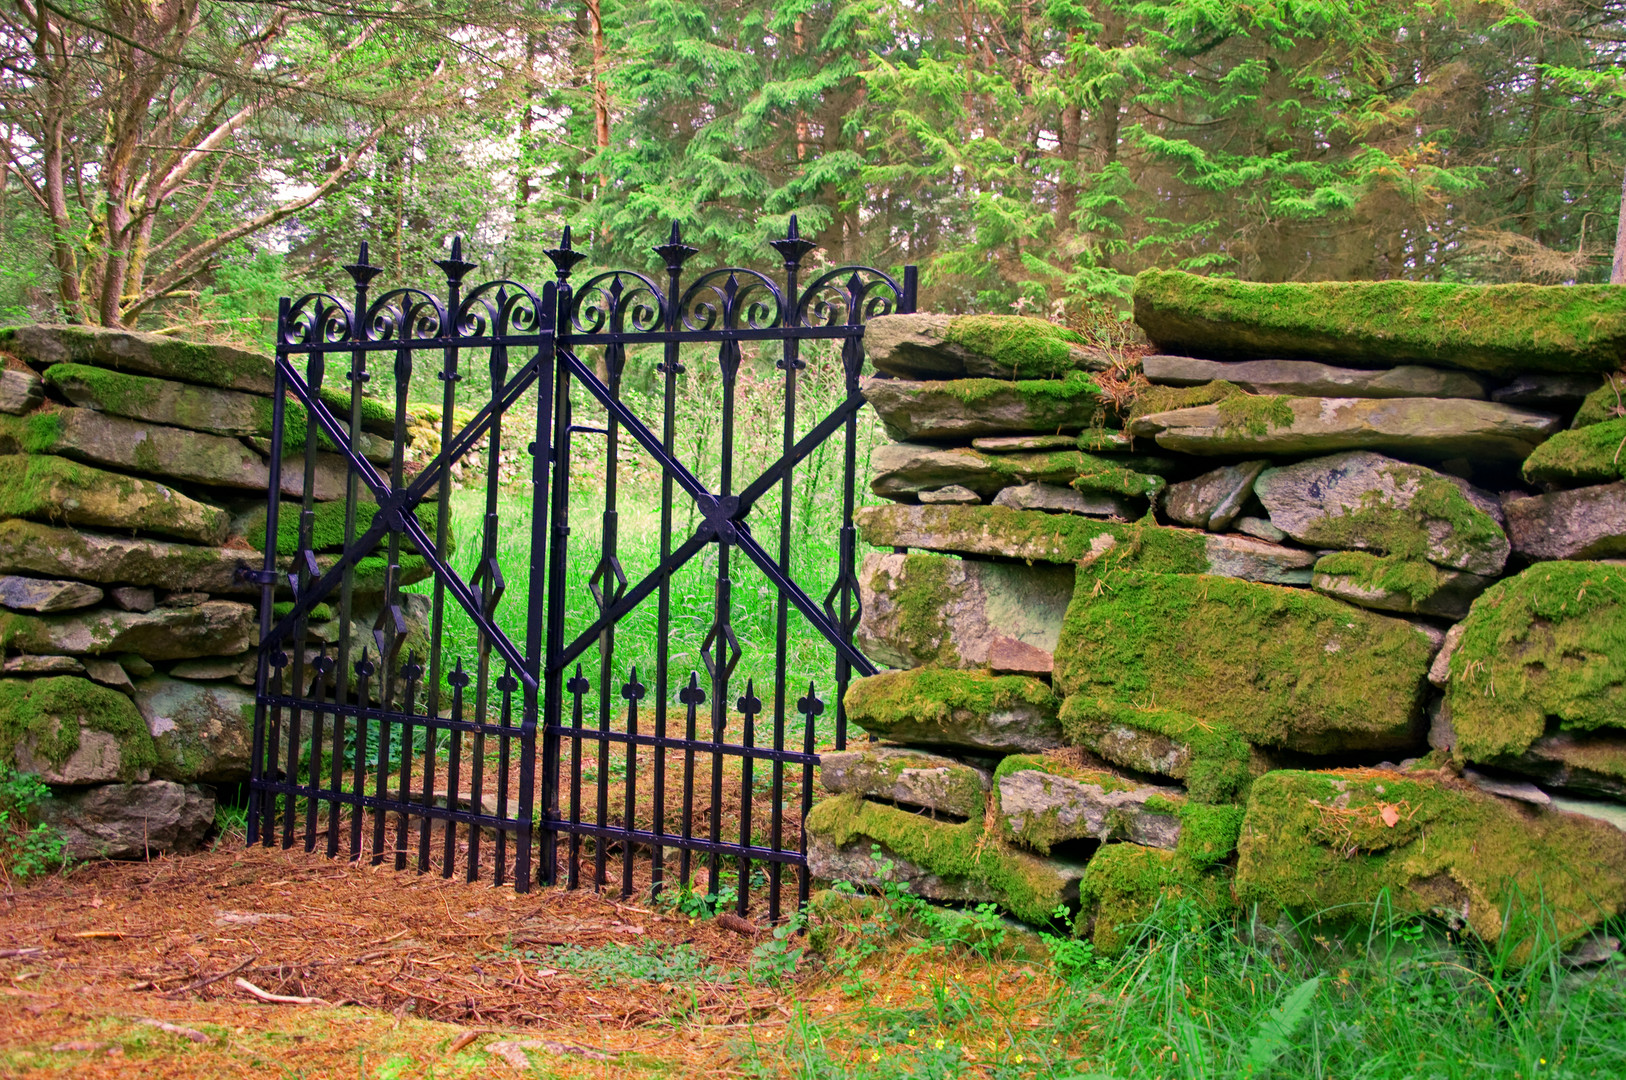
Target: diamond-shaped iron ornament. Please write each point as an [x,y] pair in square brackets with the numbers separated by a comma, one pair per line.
[609,566]
[733,660]
[849,584]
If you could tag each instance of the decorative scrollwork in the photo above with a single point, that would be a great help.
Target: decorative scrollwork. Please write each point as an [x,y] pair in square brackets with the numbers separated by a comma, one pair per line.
[316,319]
[625,300]
[865,294]
[723,295]
[499,307]
[405,315]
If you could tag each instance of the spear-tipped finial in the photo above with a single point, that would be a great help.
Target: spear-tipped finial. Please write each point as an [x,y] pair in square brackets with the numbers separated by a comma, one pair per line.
[361,271]
[792,247]
[674,252]
[564,256]
[455,267]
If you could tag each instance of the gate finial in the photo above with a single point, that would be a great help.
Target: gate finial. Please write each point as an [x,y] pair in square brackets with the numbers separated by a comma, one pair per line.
[361,271]
[564,256]
[455,266]
[674,252]
[792,247]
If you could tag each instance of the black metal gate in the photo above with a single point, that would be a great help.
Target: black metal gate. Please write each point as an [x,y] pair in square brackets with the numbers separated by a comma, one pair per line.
[360,705]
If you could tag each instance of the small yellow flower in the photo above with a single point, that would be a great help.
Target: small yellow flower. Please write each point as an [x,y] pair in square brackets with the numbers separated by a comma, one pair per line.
[875,1055]
[1019,1059]
[938,1044]
[911,1033]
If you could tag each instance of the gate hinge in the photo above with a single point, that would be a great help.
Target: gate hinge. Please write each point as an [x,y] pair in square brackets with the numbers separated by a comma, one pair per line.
[256,577]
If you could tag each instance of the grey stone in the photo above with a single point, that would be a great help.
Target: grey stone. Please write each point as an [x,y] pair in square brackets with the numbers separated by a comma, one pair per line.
[1143,751]
[908,777]
[136,665]
[918,346]
[1057,499]
[220,627]
[1612,812]
[1518,790]
[1010,444]
[904,470]
[1583,763]
[1213,499]
[1230,555]
[131,821]
[79,733]
[201,731]
[1352,500]
[1451,598]
[1423,427]
[33,594]
[965,408]
[98,759]
[1442,735]
[20,391]
[1307,378]
[184,599]
[133,598]
[108,673]
[969,709]
[1040,808]
[145,354]
[1586,523]
[42,665]
[1007,656]
[1593,950]
[1101,441]
[973,604]
[953,495]
[1439,672]
[241,669]
[52,489]
[1260,528]
[1553,393]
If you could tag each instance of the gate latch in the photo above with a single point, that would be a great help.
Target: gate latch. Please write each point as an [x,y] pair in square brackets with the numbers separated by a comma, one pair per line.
[245,573]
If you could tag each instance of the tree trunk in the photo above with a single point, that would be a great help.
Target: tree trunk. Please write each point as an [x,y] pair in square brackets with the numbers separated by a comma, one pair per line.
[1617,274]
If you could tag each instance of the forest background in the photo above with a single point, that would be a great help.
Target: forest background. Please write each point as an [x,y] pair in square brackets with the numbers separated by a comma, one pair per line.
[181,164]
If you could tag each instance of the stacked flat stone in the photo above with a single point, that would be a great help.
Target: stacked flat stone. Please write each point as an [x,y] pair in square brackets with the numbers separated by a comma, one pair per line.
[1340,524]
[133,479]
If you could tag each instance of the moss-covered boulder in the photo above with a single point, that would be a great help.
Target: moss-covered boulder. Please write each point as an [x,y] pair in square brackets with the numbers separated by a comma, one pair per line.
[1542,651]
[1283,667]
[200,731]
[1495,329]
[1595,454]
[213,628]
[907,777]
[1124,883]
[901,471]
[1036,536]
[68,730]
[1584,523]
[936,860]
[1365,501]
[1428,427]
[142,353]
[958,409]
[1306,378]
[1391,583]
[1044,801]
[1212,759]
[927,346]
[1607,402]
[970,709]
[923,609]
[1313,841]
[43,487]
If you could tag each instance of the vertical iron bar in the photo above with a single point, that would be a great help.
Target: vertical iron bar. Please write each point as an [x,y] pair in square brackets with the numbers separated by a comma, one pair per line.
[490,574]
[260,753]
[458,680]
[691,697]
[633,692]
[410,672]
[577,687]
[810,707]
[728,358]
[381,779]
[323,666]
[506,684]
[305,567]
[749,707]
[542,458]
[273,741]
[358,778]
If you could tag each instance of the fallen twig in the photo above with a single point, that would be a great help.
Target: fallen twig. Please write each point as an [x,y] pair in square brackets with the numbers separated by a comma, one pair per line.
[176,1029]
[201,983]
[276,999]
[463,1040]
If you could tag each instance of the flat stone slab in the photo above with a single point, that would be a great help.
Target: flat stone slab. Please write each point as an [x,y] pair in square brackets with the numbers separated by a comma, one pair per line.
[1066,538]
[241,669]
[962,408]
[1011,444]
[1042,803]
[42,665]
[1366,501]
[1410,587]
[1506,330]
[928,346]
[20,391]
[897,774]
[200,731]
[219,627]
[1213,499]
[902,471]
[45,596]
[1586,523]
[142,353]
[1055,499]
[969,709]
[1428,427]
[924,609]
[1586,763]
[43,487]
[1306,378]
[953,495]
[1592,454]
[131,821]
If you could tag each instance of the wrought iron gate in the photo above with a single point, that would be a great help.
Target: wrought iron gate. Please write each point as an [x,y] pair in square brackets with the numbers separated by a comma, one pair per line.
[359,707]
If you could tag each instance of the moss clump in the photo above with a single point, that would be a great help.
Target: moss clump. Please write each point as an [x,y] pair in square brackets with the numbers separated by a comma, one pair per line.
[327,526]
[283,608]
[1212,758]
[1208,833]
[1029,888]
[920,594]
[1607,402]
[47,714]
[1027,348]
[36,433]
[1159,399]
[936,704]
[1255,414]
[1102,474]
[1282,667]
[1501,329]
[1437,523]
[1313,841]
[1070,389]
[1035,536]
[1123,884]
[1543,649]
[1054,766]
[1595,454]
[1417,578]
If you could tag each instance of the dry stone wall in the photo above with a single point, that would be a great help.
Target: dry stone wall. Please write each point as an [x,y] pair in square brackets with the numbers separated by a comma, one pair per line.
[133,481]
[1332,601]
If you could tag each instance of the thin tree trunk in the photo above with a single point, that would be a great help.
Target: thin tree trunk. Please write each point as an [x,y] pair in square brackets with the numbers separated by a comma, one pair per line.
[1617,274]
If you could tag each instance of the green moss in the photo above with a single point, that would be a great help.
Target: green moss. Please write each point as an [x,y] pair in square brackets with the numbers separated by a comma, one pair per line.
[283,608]
[1313,841]
[1541,650]
[1496,328]
[1035,536]
[1124,883]
[921,597]
[1416,578]
[1212,758]
[1607,402]
[327,526]
[36,433]
[1103,474]
[1028,348]
[1255,414]
[1028,887]
[1051,766]
[941,697]
[1071,388]
[1282,667]
[1158,399]
[1439,524]
[48,714]
[1595,454]
[1208,833]
[117,392]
